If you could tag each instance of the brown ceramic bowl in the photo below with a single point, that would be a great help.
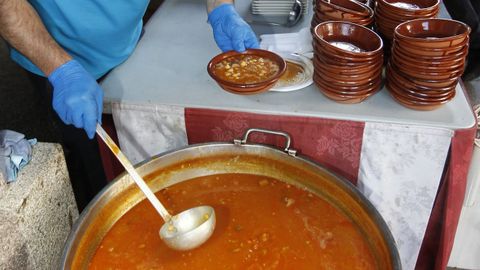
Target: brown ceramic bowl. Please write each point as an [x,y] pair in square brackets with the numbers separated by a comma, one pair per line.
[406,14]
[415,105]
[415,89]
[425,6]
[343,65]
[433,33]
[416,67]
[449,57]
[336,55]
[420,62]
[353,89]
[346,69]
[343,8]
[252,88]
[337,77]
[399,91]
[359,36]
[424,75]
[343,98]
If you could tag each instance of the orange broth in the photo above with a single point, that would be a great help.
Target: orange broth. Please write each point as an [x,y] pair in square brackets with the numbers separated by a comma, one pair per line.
[262,223]
[246,69]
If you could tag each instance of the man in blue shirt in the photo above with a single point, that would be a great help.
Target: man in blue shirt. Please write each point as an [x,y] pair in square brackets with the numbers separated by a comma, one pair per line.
[74,43]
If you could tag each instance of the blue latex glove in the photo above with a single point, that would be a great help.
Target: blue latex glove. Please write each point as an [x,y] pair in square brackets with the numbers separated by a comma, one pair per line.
[230,31]
[77,97]
[15,153]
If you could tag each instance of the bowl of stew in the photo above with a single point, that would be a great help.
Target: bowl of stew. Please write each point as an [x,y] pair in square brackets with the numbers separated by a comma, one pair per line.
[250,72]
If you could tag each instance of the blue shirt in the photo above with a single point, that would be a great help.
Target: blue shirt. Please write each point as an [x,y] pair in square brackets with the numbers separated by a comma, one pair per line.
[100,34]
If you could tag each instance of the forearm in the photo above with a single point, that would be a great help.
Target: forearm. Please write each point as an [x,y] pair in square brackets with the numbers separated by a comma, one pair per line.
[211,4]
[23,29]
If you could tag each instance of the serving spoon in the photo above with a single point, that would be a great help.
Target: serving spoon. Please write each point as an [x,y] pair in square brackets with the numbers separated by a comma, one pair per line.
[184,231]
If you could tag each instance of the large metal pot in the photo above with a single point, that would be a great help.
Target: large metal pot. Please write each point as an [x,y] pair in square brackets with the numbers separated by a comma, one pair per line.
[216,158]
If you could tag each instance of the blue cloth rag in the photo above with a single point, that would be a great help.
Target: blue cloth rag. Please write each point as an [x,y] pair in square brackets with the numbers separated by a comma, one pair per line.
[15,153]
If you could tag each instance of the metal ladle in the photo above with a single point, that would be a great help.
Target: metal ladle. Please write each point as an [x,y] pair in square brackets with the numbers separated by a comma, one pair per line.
[184,231]
[293,16]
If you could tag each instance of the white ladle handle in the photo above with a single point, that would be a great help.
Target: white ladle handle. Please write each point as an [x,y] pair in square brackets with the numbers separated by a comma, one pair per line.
[133,173]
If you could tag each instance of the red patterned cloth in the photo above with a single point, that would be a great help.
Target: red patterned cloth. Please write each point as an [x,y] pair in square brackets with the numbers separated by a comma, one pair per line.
[335,144]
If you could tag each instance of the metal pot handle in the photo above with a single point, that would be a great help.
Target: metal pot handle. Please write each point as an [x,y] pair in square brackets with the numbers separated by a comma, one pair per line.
[287,149]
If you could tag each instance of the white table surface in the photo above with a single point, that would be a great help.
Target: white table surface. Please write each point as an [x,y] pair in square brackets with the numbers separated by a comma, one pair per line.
[169,64]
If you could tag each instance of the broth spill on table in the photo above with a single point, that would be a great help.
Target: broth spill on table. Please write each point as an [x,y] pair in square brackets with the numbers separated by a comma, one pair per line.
[262,223]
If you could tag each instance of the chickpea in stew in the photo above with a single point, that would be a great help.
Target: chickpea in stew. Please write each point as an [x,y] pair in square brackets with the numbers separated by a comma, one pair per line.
[246,69]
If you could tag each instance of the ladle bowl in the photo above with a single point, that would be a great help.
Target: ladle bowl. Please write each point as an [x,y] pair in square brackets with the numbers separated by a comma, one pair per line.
[184,231]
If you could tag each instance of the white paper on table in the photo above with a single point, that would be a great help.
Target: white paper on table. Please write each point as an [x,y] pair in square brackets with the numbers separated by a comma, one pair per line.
[400,171]
[146,130]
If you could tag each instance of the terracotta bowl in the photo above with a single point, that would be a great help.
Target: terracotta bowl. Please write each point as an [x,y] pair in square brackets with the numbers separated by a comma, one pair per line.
[425,6]
[448,57]
[252,88]
[365,21]
[418,90]
[336,80]
[353,89]
[421,62]
[416,67]
[405,17]
[421,106]
[427,75]
[399,91]
[429,52]
[338,54]
[340,75]
[335,31]
[344,98]
[343,8]
[433,33]
[342,64]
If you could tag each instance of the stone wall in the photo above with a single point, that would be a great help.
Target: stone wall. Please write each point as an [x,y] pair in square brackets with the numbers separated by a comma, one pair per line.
[36,212]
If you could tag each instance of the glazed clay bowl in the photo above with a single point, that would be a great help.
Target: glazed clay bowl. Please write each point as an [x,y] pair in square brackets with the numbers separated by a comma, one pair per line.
[415,105]
[366,40]
[399,91]
[427,75]
[415,89]
[433,33]
[336,77]
[345,99]
[365,21]
[370,86]
[233,86]
[342,51]
[416,67]
[335,57]
[435,84]
[429,52]
[428,62]
[449,57]
[405,15]
[340,64]
[347,70]
[395,6]
[343,8]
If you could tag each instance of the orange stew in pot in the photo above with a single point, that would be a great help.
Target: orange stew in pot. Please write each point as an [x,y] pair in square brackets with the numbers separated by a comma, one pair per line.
[262,223]
[246,69]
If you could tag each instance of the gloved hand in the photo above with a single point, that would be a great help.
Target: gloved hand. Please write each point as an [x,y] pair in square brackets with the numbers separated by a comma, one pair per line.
[230,31]
[15,153]
[77,97]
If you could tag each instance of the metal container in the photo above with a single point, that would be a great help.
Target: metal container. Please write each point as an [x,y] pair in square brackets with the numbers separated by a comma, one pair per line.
[218,158]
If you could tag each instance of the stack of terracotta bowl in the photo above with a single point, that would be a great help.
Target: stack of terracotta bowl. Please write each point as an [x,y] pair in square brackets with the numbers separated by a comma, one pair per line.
[342,10]
[348,61]
[390,13]
[428,57]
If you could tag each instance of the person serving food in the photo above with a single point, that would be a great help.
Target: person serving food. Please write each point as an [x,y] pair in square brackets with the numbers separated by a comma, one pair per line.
[66,46]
